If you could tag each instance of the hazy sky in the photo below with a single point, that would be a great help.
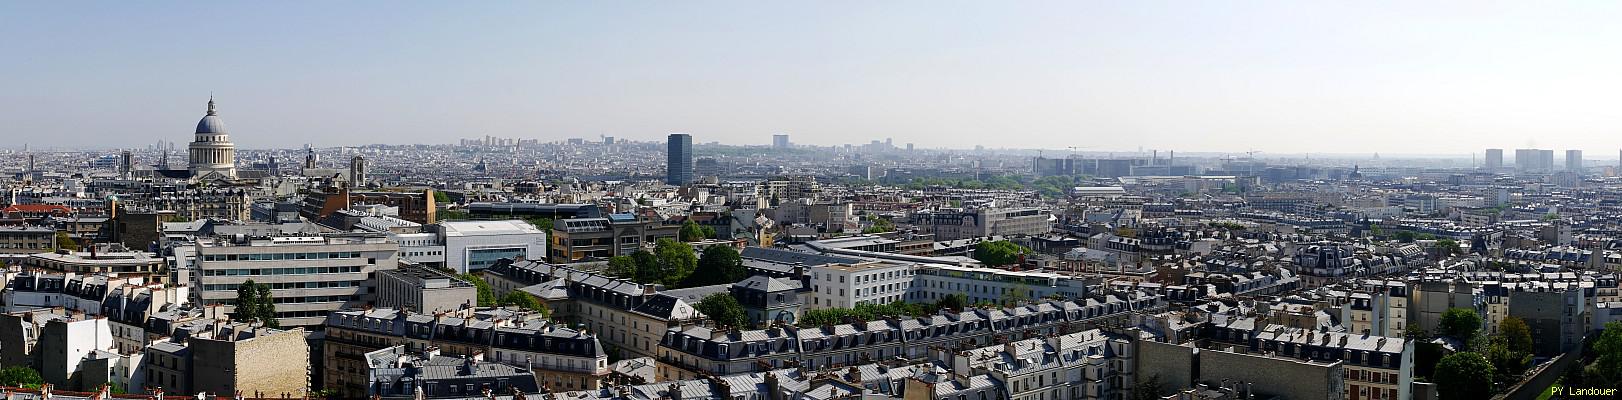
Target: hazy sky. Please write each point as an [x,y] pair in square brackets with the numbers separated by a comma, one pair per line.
[1286,76]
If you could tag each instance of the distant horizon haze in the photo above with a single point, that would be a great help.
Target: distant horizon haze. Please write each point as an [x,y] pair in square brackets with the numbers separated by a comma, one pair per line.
[1281,77]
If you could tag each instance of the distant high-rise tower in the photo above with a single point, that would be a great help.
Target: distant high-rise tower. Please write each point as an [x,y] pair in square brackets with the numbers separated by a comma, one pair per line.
[780,141]
[357,171]
[211,149]
[679,159]
[125,162]
[1534,160]
[1495,159]
[1574,161]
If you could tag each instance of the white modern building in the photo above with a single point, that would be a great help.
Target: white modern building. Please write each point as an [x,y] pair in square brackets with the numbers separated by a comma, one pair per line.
[475,245]
[846,285]
[466,246]
[979,284]
[309,276]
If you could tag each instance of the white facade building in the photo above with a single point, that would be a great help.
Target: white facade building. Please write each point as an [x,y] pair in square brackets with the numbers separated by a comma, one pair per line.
[476,245]
[846,285]
[309,276]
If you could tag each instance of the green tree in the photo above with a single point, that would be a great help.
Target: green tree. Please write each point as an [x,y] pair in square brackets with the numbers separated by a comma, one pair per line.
[1464,375]
[724,310]
[676,260]
[1000,252]
[954,302]
[1507,363]
[65,242]
[1607,366]
[691,232]
[1448,247]
[441,197]
[486,296]
[542,223]
[1459,323]
[880,225]
[267,306]
[718,265]
[520,299]
[647,267]
[1517,335]
[247,303]
[20,376]
[622,266]
[1406,236]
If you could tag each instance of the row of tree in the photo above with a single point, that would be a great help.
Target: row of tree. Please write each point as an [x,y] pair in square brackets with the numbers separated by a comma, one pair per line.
[1482,364]
[675,265]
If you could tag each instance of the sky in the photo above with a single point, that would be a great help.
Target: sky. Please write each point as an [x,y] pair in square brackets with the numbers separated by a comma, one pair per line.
[1273,76]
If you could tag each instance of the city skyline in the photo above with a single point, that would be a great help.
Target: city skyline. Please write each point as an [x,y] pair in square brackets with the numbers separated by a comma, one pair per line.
[1403,78]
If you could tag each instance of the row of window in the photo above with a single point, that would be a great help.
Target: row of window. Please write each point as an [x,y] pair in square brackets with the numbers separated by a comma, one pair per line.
[288,285]
[281,256]
[281,271]
[312,299]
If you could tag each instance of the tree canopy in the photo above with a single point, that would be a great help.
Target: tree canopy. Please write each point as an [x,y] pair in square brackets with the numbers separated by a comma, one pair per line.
[1463,375]
[724,310]
[20,376]
[1459,323]
[693,232]
[65,242]
[864,312]
[880,225]
[675,261]
[486,297]
[254,303]
[717,265]
[1606,369]
[1000,252]
[1517,336]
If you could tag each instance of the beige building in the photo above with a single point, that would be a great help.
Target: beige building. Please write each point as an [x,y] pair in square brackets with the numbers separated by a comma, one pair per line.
[227,358]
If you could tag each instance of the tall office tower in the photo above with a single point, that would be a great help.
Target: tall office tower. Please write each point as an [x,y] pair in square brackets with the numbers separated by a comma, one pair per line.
[780,141]
[1495,159]
[679,159]
[1574,161]
[1546,160]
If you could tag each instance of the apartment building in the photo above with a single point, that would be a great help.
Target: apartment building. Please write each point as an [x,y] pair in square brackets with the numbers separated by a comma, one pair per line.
[309,276]
[692,351]
[954,224]
[627,316]
[932,282]
[26,239]
[231,358]
[600,238]
[561,358]
[848,285]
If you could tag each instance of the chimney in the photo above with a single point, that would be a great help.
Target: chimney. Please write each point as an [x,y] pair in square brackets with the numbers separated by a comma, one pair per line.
[722,388]
[773,388]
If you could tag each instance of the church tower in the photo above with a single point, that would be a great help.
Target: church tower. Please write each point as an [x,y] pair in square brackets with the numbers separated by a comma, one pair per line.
[211,149]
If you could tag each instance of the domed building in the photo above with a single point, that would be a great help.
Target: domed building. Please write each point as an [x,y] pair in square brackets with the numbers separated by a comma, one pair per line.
[213,156]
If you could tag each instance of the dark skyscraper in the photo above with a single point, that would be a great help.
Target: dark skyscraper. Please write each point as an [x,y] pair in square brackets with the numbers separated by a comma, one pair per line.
[679,159]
